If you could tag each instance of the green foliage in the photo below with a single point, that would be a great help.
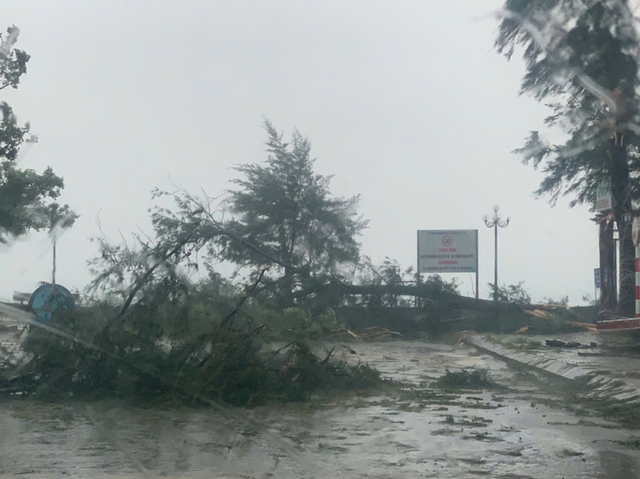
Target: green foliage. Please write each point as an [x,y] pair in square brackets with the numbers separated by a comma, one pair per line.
[13,62]
[117,268]
[390,272]
[286,209]
[296,239]
[60,217]
[138,357]
[27,198]
[185,338]
[329,322]
[451,287]
[577,55]
[582,60]
[513,293]
[293,323]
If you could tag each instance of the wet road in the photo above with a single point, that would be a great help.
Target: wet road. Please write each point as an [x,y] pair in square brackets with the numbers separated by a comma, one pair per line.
[521,433]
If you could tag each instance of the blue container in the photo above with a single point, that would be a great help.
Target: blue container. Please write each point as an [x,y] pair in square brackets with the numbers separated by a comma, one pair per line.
[48,299]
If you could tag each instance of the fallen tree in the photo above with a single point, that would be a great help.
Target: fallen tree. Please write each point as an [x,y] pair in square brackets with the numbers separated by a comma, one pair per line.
[222,364]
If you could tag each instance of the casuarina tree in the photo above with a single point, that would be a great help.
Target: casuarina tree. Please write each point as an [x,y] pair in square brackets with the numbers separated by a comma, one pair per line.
[287,209]
[581,60]
[281,221]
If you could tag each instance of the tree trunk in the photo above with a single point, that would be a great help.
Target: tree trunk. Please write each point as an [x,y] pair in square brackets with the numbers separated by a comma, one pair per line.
[608,296]
[619,170]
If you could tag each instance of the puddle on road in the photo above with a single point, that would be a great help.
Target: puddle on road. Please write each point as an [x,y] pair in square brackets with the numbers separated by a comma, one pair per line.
[418,432]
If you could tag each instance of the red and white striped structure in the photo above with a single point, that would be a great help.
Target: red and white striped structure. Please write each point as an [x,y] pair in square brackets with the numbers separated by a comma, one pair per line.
[628,324]
[635,234]
[625,324]
[637,282]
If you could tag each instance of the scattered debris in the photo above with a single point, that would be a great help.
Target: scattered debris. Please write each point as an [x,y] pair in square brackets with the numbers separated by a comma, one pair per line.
[343,334]
[464,379]
[377,332]
[588,326]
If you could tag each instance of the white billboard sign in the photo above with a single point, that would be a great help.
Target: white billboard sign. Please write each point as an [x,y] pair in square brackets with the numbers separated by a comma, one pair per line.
[448,251]
[604,201]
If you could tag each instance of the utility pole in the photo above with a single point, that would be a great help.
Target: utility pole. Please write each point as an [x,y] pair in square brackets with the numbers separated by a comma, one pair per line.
[495,222]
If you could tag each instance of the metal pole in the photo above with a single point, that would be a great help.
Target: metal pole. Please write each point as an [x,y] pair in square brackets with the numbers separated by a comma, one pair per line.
[53,274]
[477,269]
[495,222]
[417,299]
[495,265]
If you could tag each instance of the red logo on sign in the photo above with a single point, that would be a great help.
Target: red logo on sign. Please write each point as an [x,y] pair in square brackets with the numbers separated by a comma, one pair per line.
[447,240]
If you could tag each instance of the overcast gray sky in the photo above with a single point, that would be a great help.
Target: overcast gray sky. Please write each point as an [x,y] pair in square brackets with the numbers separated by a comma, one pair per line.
[404,101]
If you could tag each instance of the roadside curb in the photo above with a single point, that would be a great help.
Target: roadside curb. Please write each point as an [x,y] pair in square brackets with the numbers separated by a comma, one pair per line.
[598,385]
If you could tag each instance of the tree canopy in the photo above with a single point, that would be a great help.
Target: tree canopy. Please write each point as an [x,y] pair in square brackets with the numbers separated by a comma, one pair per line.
[284,207]
[27,198]
[581,59]
[281,216]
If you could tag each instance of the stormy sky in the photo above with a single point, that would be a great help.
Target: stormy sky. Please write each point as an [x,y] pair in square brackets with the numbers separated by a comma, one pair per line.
[405,102]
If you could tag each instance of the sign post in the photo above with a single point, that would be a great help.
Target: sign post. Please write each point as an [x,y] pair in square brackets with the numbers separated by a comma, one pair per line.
[608,270]
[448,251]
[635,232]
[604,200]
[477,270]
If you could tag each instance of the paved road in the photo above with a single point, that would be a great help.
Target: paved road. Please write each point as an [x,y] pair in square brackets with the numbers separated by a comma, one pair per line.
[517,433]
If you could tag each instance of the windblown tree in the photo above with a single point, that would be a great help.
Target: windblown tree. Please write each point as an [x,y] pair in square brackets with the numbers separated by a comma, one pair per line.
[581,59]
[286,209]
[283,223]
[27,198]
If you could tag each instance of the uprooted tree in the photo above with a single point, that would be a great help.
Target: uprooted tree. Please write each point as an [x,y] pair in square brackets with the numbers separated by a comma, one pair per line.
[582,60]
[167,334]
[27,198]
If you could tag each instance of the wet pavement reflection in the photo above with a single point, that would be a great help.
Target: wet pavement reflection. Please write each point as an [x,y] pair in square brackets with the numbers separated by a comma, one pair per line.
[518,430]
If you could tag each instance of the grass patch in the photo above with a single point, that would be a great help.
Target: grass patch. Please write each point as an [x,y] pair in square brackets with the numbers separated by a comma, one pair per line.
[465,379]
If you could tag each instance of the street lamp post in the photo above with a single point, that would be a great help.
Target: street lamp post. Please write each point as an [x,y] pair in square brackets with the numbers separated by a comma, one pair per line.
[495,222]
